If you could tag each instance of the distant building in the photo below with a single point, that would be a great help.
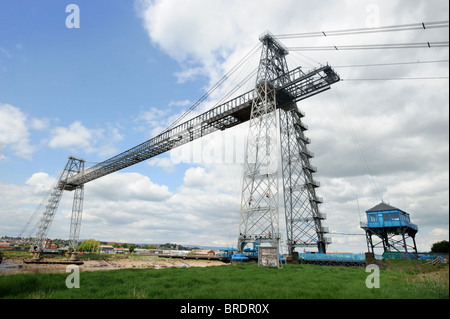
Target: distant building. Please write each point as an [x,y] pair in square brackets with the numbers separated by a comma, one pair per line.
[4,244]
[179,252]
[148,252]
[121,251]
[48,244]
[106,249]
[203,252]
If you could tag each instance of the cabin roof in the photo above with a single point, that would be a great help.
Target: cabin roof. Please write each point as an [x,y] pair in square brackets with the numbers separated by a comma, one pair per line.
[381,206]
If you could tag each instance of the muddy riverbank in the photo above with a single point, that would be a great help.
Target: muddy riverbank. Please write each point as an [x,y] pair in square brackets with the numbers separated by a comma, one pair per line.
[16,265]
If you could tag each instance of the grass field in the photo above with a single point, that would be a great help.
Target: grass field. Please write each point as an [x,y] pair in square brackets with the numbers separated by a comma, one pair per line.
[402,280]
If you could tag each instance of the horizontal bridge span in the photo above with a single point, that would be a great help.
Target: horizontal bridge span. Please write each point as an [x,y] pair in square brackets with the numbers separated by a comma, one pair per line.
[296,86]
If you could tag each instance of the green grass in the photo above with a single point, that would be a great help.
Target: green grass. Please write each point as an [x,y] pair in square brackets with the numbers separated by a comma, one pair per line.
[245,281]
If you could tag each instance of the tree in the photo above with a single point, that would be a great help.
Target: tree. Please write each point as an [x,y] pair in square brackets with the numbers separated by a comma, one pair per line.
[440,247]
[132,247]
[90,245]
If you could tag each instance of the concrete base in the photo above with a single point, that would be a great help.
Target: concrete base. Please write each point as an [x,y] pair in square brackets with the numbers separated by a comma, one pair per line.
[292,259]
[35,255]
[73,256]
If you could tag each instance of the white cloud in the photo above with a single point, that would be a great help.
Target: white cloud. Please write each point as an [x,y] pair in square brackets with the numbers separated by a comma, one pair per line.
[77,137]
[113,203]
[163,162]
[40,183]
[20,202]
[40,124]
[189,74]
[6,53]
[182,103]
[128,187]
[154,121]
[439,233]
[196,177]
[14,132]
[131,207]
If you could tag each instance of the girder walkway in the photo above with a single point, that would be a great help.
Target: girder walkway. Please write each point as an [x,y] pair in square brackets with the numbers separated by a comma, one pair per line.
[299,86]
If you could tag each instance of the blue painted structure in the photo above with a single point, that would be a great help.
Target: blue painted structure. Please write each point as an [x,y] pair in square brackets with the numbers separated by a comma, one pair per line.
[227,253]
[239,257]
[386,222]
[378,217]
[334,259]
[248,254]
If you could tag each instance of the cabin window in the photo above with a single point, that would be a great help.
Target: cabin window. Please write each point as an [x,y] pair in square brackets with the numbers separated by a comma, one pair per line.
[394,216]
[373,218]
[386,216]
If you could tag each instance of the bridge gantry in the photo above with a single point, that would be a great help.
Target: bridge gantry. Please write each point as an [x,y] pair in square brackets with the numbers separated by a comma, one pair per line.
[274,120]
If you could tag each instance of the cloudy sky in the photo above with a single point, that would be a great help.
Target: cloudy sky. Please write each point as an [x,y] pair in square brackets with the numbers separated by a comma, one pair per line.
[132,67]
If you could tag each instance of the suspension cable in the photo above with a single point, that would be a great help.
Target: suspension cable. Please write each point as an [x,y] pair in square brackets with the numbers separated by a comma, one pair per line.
[214,87]
[389,64]
[392,28]
[375,192]
[373,46]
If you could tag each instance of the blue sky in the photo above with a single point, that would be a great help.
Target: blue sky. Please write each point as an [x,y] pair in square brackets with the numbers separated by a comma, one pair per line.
[134,66]
[104,74]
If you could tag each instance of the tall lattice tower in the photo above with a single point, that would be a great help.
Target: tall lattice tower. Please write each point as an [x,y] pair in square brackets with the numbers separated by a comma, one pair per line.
[74,166]
[268,129]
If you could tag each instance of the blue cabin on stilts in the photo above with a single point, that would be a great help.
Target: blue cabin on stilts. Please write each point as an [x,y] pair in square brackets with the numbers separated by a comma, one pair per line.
[393,227]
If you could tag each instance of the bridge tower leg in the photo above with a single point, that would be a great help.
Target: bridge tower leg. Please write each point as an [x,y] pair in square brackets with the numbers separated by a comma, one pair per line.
[75,222]
[303,220]
[259,220]
[259,212]
[73,166]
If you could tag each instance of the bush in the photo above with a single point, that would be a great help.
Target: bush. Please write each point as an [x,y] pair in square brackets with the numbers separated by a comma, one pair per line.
[441,247]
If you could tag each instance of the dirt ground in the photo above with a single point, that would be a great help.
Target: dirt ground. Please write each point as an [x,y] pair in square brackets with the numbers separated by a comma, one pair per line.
[18,265]
[441,275]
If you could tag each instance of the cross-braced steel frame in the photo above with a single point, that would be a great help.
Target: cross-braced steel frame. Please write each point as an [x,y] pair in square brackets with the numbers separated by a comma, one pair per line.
[391,239]
[259,202]
[74,166]
[259,220]
[303,220]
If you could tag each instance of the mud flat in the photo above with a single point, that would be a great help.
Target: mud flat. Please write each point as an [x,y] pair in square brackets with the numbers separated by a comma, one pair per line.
[23,265]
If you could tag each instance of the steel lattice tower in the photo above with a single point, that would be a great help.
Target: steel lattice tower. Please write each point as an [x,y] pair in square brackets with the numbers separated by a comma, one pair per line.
[73,167]
[259,201]
[259,213]
[303,219]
